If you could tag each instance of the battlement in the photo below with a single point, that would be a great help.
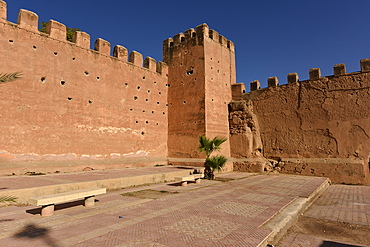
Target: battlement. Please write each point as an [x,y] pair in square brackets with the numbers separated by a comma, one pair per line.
[293,78]
[196,37]
[29,21]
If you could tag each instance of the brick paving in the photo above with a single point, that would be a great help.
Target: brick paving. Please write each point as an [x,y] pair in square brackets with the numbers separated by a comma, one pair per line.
[339,203]
[212,213]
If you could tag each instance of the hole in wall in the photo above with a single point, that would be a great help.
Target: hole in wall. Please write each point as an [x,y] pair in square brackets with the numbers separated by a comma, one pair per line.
[73,58]
[211,58]
[69,98]
[143,110]
[126,84]
[148,91]
[182,39]
[146,100]
[193,35]
[157,103]
[138,88]
[136,121]
[212,99]
[163,113]
[86,73]
[34,47]
[98,78]
[180,64]
[152,112]
[143,77]
[184,102]
[155,82]
[146,122]
[190,70]
[159,93]
[90,102]
[171,44]
[135,98]
[243,91]
[11,41]
[218,71]
[156,124]
[131,110]
[170,103]
[62,83]
[56,53]
[143,133]
[43,79]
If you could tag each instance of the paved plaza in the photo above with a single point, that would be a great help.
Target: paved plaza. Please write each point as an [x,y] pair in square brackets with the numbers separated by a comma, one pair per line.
[237,210]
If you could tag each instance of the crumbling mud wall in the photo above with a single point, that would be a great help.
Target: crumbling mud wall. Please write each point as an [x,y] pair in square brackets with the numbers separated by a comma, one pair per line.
[77,104]
[316,127]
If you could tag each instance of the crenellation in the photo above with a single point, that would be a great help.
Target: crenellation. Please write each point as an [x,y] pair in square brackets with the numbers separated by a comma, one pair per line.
[120,52]
[237,91]
[150,64]
[102,46]
[315,73]
[162,68]
[56,30]
[255,85]
[222,40]
[365,65]
[339,69]
[28,20]
[293,78]
[3,11]
[202,31]
[178,38]
[272,81]
[136,58]
[213,34]
[231,45]
[189,34]
[81,39]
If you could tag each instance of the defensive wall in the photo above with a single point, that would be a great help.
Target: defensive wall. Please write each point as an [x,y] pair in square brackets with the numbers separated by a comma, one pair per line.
[74,105]
[319,126]
[76,108]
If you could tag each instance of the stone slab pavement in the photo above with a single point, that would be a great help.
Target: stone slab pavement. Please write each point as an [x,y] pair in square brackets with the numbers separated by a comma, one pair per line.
[347,204]
[212,213]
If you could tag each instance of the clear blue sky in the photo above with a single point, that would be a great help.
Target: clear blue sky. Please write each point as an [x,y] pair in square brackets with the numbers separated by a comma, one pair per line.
[272,38]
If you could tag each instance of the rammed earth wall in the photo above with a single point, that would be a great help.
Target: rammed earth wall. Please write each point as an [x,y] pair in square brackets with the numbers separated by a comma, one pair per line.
[73,103]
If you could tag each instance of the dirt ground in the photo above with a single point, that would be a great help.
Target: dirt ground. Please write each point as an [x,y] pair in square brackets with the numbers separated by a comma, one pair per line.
[330,230]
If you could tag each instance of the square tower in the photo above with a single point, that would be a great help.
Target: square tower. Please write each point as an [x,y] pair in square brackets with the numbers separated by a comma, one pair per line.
[201,70]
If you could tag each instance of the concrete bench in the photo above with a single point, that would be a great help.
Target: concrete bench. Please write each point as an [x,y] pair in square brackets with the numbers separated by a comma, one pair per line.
[47,202]
[195,177]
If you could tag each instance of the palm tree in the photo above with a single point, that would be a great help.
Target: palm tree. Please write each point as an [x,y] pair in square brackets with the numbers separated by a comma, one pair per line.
[9,77]
[215,162]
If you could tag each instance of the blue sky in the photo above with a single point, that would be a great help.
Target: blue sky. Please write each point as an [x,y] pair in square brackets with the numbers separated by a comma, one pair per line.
[272,38]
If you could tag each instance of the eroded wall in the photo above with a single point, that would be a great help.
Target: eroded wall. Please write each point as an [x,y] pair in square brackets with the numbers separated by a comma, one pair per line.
[74,103]
[317,127]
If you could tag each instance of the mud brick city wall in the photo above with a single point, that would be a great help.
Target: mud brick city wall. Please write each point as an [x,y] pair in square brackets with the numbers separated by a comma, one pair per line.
[316,127]
[74,103]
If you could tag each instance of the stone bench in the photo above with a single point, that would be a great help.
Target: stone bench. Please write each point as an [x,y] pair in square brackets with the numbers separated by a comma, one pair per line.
[195,177]
[47,202]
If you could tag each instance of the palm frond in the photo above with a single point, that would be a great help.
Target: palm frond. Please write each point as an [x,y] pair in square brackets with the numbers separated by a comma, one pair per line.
[9,77]
[216,162]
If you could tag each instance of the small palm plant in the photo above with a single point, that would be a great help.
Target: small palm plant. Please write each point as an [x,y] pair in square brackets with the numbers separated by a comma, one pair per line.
[9,77]
[214,163]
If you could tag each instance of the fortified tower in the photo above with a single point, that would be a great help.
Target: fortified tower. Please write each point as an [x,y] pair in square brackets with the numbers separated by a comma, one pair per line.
[201,71]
